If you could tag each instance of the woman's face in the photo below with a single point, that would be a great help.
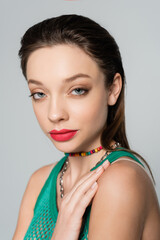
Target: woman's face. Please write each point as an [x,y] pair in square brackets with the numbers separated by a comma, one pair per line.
[63,101]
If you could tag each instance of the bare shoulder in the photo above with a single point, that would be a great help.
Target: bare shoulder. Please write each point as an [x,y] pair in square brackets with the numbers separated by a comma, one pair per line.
[122,203]
[127,176]
[39,177]
[34,186]
[125,179]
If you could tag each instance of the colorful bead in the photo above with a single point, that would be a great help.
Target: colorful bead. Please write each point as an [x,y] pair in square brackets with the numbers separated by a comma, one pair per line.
[83,154]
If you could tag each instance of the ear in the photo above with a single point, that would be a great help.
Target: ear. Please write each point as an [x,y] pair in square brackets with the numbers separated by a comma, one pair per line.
[115,89]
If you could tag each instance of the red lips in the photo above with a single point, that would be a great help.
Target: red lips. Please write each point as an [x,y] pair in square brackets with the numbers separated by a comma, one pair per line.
[61,131]
[63,134]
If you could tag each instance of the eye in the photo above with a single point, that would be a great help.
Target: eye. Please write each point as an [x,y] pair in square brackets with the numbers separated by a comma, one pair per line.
[37,95]
[80,91]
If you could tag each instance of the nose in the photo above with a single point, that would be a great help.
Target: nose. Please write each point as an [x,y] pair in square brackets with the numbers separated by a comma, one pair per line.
[57,110]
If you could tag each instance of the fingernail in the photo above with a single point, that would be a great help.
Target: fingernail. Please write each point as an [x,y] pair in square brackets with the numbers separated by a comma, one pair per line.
[106,163]
[98,169]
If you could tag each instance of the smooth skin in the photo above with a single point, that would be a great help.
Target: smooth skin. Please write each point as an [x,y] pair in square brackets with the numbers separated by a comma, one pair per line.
[73,204]
[124,203]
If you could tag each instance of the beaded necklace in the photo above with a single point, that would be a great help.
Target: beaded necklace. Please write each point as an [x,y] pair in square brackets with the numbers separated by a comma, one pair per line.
[83,154]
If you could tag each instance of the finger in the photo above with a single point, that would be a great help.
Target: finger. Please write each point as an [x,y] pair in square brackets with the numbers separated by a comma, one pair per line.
[83,186]
[106,164]
[72,199]
[86,177]
[86,199]
[98,171]
[102,167]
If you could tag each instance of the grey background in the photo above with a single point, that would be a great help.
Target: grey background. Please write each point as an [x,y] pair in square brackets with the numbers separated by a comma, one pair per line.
[24,147]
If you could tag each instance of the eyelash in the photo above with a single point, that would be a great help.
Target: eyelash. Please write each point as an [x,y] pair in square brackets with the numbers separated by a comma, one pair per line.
[82,89]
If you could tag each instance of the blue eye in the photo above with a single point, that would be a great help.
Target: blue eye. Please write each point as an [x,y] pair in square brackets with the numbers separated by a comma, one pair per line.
[37,95]
[80,91]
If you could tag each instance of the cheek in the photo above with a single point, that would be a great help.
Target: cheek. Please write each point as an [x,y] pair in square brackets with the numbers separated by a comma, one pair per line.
[40,115]
[90,111]
[98,115]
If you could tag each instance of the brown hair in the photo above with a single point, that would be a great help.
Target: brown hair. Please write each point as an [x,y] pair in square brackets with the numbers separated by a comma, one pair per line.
[95,41]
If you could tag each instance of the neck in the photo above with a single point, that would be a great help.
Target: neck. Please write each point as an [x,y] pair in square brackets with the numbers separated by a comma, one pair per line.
[83,154]
[78,166]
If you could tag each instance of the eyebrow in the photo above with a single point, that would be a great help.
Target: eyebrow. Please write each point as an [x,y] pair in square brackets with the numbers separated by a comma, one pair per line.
[67,80]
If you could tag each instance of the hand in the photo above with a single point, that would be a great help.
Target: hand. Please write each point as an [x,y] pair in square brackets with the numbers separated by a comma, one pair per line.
[74,204]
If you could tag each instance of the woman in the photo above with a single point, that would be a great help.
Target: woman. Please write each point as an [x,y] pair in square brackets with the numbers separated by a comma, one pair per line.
[75,75]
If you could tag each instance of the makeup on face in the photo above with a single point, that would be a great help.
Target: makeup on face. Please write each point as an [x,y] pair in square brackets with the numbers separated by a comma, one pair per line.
[77,82]
[69,96]
[62,135]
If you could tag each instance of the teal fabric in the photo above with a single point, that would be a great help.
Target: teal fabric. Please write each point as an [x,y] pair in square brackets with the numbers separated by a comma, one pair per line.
[45,210]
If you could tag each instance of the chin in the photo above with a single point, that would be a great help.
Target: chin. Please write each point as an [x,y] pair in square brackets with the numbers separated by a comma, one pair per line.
[66,146]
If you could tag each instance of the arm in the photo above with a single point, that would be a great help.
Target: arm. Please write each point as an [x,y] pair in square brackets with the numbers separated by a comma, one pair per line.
[120,205]
[31,193]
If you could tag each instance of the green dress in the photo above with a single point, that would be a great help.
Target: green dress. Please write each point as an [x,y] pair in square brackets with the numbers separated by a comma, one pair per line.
[45,210]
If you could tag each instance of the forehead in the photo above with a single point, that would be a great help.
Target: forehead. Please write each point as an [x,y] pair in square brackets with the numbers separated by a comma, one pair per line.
[60,61]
